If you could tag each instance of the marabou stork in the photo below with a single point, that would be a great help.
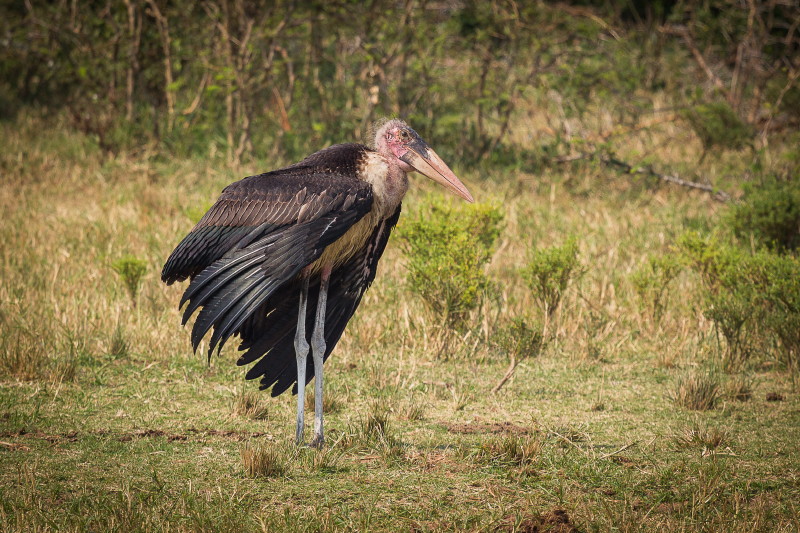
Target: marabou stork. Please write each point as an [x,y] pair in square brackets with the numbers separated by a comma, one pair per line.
[288,254]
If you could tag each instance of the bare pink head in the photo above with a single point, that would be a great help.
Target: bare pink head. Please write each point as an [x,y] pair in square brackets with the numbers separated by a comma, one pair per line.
[399,143]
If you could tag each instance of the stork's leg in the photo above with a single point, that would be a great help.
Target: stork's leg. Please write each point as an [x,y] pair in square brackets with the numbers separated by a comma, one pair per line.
[318,352]
[301,352]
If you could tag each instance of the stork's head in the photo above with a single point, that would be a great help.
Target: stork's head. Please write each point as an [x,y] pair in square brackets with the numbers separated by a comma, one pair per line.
[397,141]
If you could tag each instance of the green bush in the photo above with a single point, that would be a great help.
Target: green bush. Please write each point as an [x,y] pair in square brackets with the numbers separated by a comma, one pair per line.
[519,338]
[652,279]
[753,298]
[770,214]
[549,271]
[131,270]
[448,248]
[717,125]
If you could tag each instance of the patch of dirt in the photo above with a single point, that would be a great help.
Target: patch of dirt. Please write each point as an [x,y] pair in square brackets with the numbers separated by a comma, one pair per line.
[622,460]
[480,427]
[774,397]
[236,435]
[73,436]
[670,507]
[144,433]
[552,521]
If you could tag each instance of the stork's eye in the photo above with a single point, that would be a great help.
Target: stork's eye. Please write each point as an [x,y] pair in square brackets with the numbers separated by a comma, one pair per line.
[405,136]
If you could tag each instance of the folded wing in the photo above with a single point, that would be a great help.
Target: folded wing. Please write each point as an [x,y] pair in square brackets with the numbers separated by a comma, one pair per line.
[250,246]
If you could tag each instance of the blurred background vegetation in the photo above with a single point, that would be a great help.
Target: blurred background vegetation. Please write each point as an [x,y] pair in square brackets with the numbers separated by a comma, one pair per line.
[251,79]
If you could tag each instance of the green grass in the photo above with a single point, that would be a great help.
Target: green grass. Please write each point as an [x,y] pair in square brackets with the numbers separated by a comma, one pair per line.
[109,422]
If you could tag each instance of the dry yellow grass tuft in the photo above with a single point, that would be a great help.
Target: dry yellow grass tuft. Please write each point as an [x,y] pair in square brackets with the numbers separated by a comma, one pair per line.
[698,391]
[251,404]
[264,460]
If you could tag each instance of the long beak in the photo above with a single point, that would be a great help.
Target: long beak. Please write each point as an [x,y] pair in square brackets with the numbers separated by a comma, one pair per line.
[425,161]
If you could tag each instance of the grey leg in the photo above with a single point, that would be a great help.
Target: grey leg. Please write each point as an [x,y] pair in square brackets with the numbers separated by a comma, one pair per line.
[318,353]
[301,352]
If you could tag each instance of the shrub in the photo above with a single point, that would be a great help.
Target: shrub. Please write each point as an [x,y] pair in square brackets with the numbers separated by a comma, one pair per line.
[770,214]
[448,249]
[130,270]
[753,298]
[652,279]
[549,271]
[717,125]
[519,338]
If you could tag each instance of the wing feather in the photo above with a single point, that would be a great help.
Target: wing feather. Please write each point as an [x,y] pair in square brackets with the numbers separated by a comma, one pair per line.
[255,240]
[268,337]
[301,193]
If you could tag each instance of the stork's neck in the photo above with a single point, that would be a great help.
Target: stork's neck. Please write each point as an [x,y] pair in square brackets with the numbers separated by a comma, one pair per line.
[389,181]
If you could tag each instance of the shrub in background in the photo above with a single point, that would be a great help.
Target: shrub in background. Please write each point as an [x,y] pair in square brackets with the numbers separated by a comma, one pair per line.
[652,279]
[448,249]
[549,272]
[769,213]
[717,125]
[753,298]
[130,270]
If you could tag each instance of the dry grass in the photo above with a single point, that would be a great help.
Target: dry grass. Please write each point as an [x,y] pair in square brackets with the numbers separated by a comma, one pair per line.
[265,459]
[740,387]
[511,449]
[704,436]
[251,404]
[330,401]
[698,391]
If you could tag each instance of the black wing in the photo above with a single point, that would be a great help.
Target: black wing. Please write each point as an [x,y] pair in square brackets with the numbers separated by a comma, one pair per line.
[257,205]
[270,334]
[257,237]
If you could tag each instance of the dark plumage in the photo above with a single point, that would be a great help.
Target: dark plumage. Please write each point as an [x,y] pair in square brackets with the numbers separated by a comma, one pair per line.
[278,243]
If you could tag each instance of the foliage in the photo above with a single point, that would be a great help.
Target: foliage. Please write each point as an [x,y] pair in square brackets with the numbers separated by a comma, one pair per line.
[131,270]
[743,50]
[448,249]
[717,125]
[520,338]
[769,213]
[247,80]
[652,280]
[751,297]
[549,271]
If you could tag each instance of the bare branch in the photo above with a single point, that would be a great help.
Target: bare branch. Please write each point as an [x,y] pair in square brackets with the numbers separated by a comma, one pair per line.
[717,194]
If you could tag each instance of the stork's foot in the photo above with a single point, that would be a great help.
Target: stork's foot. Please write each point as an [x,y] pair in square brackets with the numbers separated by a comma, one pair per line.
[318,442]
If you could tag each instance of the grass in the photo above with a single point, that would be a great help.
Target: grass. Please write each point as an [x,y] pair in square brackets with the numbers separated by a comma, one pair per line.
[698,391]
[108,421]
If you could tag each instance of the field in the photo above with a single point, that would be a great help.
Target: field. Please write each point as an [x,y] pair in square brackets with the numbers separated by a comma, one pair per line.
[108,421]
